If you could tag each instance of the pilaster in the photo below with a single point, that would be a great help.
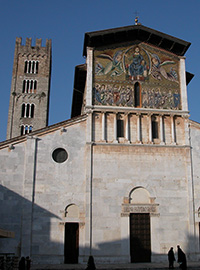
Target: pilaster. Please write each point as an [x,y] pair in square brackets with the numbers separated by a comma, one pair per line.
[89,77]
[183,86]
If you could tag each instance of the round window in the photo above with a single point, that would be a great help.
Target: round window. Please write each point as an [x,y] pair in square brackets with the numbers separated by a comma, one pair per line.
[59,155]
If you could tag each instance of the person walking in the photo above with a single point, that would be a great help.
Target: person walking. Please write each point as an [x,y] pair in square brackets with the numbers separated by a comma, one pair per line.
[22,265]
[182,258]
[171,258]
[91,264]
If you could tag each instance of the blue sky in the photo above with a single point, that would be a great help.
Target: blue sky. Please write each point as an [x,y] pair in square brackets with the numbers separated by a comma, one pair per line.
[66,21]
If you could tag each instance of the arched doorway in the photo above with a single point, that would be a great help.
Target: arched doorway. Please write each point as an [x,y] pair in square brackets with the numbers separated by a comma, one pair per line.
[71,247]
[140,231]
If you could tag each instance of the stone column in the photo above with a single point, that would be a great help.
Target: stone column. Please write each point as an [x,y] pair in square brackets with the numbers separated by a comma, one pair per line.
[103,117]
[161,130]
[138,128]
[173,137]
[115,128]
[150,128]
[127,128]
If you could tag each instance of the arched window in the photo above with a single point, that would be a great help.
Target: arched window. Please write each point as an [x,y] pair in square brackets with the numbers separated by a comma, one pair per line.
[36,68]
[25,129]
[35,86]
[32,111]
[24,86]
[29,86]
[22,130]
[31,67]
[25,66]
[137,95]
[30,129]
[23,110]
[28,110]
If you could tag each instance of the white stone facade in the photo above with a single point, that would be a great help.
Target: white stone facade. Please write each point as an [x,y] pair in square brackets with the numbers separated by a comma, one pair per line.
[103,182]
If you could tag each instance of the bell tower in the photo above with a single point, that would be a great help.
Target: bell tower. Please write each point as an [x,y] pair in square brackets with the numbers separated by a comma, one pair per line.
[30,88]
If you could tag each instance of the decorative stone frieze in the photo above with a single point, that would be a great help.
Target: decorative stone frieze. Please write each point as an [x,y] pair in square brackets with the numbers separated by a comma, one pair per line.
[139,208]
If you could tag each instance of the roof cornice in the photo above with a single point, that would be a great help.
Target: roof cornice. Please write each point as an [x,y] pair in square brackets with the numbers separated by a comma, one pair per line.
[135,33]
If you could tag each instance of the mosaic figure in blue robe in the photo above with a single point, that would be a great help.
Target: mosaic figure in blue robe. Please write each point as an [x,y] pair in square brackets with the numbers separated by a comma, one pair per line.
[138,64]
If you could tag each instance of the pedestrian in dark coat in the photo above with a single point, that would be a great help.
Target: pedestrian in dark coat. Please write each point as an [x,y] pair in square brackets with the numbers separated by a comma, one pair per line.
[171,258]
[28,263]
[22,264]
[182,258]
[91,264]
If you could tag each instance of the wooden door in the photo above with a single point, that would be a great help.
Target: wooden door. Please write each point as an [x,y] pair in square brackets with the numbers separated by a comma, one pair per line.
[71,250]
[140,238]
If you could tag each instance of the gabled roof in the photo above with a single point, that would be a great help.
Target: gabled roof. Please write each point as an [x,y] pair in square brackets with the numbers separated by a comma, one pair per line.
[135,33]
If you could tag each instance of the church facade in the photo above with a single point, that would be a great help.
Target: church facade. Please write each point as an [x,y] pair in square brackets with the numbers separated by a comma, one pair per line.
[120,179]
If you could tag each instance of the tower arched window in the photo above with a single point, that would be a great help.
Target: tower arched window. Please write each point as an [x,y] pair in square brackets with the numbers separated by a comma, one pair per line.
[25,66]
[25,129]
[32,110]
[24,86]
[28,110]
[31,66]
[35,86]
[23,110]
[137,95]
[29,86]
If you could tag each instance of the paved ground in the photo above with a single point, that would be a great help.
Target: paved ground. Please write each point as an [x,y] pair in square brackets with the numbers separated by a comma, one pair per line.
[139,266]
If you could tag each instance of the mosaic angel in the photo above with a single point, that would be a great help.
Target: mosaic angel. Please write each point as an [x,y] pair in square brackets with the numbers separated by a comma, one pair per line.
[114,67]
[158,71]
